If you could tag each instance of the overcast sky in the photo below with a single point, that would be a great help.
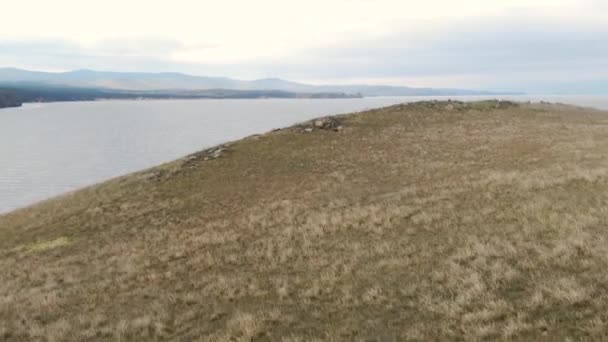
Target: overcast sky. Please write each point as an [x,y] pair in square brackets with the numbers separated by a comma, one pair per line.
[525,45]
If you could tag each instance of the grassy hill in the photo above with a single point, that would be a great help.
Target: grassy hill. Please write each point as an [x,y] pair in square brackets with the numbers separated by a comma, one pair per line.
[426,221]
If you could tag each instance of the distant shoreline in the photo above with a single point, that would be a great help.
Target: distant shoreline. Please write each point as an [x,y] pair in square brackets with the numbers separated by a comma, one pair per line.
[16,95]
[177,99]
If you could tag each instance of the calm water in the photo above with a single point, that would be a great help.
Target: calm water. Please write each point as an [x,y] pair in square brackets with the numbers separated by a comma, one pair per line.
[49,149]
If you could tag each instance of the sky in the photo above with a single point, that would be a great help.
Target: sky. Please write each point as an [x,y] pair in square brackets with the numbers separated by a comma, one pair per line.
[536,46]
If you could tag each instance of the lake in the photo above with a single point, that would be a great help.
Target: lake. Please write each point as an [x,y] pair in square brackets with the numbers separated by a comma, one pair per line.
[52,148]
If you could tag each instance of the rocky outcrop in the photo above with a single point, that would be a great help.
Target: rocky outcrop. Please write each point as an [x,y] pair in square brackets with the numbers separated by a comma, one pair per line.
[328,124]
[212,153]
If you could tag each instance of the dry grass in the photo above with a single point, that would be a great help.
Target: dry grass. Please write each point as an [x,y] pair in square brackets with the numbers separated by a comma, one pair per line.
[425,221]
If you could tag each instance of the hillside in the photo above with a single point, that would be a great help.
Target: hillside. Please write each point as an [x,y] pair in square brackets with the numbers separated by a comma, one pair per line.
[425,221]
[135,81]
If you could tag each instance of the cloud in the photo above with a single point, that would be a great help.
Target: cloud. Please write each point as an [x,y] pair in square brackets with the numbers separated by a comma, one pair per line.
[121,54]
[143,46]
[503,44]
[516,51]
[62,55]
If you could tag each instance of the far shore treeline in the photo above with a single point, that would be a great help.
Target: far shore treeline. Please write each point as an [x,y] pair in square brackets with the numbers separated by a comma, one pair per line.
[8,98]
[14,95]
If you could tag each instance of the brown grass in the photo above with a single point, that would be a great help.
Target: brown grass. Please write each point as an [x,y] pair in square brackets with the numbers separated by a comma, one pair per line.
[427,221]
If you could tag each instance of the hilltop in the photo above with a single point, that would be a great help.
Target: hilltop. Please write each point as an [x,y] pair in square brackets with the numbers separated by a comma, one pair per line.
[422,221]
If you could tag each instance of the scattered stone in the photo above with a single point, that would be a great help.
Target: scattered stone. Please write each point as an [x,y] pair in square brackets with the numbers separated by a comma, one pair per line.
[217,153]
[154,175]
[212,153]
[329,124]
[435,105]
[326,123]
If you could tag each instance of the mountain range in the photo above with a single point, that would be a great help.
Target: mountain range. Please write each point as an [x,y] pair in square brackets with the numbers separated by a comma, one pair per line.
[176,82]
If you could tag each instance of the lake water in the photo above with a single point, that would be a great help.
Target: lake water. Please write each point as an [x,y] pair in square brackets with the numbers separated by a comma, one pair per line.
[48,149]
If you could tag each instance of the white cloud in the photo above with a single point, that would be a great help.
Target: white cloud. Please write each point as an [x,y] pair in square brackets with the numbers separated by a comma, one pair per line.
[240,29]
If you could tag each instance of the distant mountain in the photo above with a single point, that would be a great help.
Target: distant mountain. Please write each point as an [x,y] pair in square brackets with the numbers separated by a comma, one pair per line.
[177,81]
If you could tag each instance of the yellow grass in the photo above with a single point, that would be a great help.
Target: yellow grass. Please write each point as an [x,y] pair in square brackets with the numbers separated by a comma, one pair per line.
[46,245]
[427,221]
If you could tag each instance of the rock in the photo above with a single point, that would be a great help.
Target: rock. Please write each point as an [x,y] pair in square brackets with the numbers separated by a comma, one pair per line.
[155,175]
[326,123]
[212,153]
[449,107]
[329,124]
[216,153]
